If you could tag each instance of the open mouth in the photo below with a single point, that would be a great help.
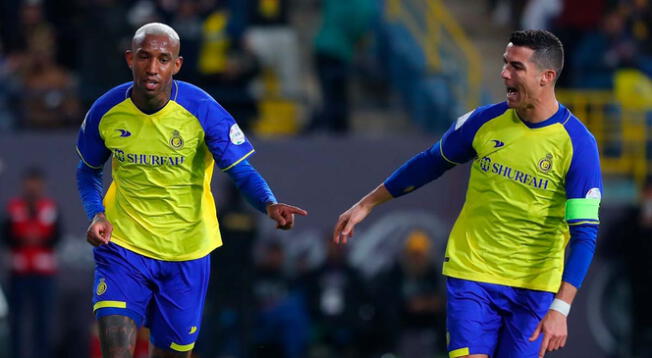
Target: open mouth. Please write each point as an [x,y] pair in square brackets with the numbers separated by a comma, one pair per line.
[151,84]
[511,92]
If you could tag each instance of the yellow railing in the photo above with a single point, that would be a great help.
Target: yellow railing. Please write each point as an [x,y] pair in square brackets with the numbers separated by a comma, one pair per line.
[436,30]
[622,134]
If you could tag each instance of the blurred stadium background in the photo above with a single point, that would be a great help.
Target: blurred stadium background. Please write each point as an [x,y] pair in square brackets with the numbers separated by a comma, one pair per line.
[401,71]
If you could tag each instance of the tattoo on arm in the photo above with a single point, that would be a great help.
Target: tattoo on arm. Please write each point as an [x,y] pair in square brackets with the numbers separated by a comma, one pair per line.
[117,336]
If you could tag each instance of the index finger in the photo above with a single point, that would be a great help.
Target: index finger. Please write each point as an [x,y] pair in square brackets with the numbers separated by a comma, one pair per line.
[296,210]
[544,345]
[337,231]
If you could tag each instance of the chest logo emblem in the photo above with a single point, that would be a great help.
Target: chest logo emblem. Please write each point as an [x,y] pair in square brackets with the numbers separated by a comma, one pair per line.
[497,143]
[176,142]
[545,164]
[124,132]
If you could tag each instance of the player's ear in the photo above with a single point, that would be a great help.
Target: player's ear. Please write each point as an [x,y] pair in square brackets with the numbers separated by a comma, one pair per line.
[129,57]
[177,64]
[548,77]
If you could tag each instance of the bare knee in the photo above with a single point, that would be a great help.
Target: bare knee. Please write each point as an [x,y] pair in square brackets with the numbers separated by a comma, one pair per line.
[117,336]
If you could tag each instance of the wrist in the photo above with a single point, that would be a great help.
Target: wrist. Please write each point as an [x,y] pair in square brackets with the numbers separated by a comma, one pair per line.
[560,306]
[99,215]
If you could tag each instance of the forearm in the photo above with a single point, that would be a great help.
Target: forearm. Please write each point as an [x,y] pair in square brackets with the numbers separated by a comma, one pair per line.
[581,247]
[418,171]
[252,185]
[566,292]
[89,184]
[376,197]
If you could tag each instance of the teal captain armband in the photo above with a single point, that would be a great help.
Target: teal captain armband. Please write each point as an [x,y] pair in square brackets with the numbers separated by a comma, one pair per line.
[582,209]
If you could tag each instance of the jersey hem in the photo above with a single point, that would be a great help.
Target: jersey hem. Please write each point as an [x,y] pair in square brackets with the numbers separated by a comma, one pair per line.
[145,253]
[490,279]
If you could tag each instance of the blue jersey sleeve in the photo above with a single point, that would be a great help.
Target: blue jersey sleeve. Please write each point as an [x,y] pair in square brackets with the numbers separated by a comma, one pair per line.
[457,143]
[252,185]
[223,136]
[583,193]
[89,184]
[90,146]
[418,171]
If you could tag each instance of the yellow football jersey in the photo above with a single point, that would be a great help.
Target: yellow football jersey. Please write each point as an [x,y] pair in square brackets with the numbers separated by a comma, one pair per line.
[160,202]
[528,183]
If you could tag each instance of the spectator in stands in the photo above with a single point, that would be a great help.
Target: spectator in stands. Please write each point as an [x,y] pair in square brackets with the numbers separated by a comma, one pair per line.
[600,53]
[335,295]
[412,300]
[226,67]
[48,91]
[106,34]
[281,323]
[632,233]
[577,18]
[271,37]
[343,26]
[639,25]
[6,115]
[31,231]
[227,319]
[186,19]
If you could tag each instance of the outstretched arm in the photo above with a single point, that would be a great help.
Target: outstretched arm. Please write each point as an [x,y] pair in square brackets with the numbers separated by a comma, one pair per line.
[255,189]
[416,172]
[358,212]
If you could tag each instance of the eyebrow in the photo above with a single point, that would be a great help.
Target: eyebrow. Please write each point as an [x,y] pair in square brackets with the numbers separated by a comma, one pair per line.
[517,64]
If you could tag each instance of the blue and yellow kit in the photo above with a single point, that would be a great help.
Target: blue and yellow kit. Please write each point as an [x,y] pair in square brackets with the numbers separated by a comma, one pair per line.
[532,188]
[160,202]
[529,184]
[155,270]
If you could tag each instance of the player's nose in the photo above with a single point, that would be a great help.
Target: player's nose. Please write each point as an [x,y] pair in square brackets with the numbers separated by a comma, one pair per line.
[504,73]
[152,67]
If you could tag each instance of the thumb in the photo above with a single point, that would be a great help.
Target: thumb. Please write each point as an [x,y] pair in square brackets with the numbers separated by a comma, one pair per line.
[536,333]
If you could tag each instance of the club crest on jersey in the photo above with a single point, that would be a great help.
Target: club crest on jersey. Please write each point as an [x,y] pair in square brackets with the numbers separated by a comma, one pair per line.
[101,287]
[545,164]
[176,142]
[485,164]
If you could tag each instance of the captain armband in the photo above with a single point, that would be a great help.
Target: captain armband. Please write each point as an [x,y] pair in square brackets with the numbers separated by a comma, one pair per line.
[582,211]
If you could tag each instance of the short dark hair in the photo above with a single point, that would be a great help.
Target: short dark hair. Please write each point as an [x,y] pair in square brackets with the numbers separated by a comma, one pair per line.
[548,49]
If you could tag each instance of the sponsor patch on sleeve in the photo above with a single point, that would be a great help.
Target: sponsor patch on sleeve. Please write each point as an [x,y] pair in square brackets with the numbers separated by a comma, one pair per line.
[593,193]
[236,135]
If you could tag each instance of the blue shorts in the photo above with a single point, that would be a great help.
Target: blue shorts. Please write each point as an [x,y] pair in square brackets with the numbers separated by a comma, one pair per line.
[496,320]
[166,296]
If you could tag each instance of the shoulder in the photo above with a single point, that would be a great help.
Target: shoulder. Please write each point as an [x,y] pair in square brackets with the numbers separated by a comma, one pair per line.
[102,105]
[110,99]
[481,115]
[195,100]
[580,135]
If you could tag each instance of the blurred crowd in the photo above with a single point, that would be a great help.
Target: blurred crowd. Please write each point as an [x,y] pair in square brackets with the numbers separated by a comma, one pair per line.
[600,36]
[57,58]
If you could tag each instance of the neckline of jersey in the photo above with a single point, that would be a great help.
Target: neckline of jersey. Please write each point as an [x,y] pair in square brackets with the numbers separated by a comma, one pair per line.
[173,97]
[558,117]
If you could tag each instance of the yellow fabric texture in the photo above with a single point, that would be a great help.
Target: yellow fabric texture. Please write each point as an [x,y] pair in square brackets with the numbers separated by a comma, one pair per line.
[160,202]
[511,230]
